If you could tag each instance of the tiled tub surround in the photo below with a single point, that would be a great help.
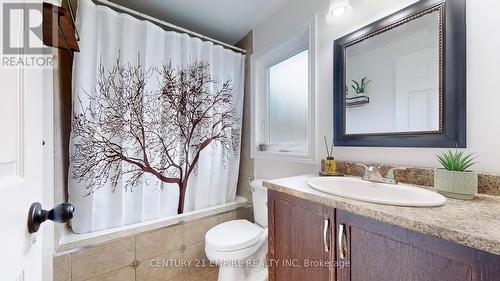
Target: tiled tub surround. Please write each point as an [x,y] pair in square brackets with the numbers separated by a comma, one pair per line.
[71,242]
[488,183]
[143,256]
[474,223]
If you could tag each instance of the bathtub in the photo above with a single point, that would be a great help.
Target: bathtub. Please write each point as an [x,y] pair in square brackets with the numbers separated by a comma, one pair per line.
[70,242]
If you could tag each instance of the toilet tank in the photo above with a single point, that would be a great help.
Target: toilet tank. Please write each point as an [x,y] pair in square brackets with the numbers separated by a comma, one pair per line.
[259,198]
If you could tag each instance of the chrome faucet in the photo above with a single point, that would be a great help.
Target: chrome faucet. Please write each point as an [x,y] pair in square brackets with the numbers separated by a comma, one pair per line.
[372,173]
[390,178]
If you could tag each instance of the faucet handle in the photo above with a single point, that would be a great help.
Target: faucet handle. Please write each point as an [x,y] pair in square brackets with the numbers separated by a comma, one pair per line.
[365,167]
[390,174]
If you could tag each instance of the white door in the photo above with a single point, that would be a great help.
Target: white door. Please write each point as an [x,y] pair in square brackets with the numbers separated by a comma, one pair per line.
[417,92]
[21,149]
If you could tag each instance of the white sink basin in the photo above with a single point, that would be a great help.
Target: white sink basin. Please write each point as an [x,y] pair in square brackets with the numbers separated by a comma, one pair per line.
[381,193]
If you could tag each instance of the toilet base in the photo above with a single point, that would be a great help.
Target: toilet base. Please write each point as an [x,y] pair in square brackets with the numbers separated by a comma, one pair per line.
[231,273]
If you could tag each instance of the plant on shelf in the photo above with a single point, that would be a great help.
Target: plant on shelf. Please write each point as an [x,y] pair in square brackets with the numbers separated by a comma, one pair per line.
[455,180]
[360,87]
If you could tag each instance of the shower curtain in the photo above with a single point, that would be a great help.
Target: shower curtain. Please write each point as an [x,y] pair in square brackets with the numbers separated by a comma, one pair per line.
[156,121]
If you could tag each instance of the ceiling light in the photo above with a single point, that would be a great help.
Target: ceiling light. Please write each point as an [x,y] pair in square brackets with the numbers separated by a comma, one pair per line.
[337,9]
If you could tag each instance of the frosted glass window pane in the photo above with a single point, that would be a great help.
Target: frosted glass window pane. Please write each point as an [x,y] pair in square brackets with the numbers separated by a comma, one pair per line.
[288,101]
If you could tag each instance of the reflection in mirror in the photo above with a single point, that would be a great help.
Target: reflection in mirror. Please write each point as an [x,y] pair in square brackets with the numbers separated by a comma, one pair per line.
[392,80]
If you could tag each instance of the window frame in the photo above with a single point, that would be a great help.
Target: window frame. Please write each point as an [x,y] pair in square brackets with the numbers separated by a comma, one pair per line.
[302,38]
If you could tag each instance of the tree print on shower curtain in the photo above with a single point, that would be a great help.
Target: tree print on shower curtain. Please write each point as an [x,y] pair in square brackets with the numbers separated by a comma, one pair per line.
[130,128]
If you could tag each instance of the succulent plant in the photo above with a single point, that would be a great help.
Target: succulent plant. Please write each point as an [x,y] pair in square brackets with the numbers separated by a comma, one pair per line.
[456,161]
[360,87]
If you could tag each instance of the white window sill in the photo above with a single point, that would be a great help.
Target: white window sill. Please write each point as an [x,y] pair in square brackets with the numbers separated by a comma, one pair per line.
[284,156]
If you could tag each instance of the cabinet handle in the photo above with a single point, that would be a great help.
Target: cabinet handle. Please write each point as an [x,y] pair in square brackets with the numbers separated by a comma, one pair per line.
[341,243]
[325,235]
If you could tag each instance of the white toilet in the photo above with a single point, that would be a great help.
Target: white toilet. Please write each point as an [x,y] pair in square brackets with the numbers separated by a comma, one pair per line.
[239,247]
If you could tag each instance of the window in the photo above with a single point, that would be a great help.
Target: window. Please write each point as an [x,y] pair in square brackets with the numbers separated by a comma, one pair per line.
[288,103]
[283,98]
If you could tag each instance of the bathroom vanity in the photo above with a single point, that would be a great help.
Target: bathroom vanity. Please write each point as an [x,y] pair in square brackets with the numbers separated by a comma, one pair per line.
[316,236]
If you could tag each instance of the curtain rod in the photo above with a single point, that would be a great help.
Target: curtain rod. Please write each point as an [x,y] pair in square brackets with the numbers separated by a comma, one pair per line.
[173,26]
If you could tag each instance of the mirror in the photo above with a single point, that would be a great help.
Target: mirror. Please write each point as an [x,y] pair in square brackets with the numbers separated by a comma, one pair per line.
[393,80]
[397,82]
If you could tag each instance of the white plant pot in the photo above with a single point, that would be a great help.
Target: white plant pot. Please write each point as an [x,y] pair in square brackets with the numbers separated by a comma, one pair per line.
[453,184]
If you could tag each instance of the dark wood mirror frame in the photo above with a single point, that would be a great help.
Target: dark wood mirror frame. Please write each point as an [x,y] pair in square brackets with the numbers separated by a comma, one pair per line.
[453,85]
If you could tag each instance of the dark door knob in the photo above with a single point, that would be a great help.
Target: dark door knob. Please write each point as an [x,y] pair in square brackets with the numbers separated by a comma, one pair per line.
[62,213]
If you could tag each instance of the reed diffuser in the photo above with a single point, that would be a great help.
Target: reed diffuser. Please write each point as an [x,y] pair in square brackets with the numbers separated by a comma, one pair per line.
[329,165]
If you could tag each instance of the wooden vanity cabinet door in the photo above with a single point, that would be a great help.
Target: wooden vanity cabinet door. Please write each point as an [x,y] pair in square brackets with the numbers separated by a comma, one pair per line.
[296,237]
[379,251]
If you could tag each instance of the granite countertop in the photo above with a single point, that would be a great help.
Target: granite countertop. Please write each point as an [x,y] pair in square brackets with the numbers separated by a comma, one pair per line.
[474,223]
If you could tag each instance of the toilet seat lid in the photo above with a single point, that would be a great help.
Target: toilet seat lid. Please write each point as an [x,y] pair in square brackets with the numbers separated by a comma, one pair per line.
[233,235]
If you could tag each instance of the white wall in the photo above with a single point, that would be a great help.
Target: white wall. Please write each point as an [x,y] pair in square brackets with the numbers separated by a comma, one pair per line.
[483,114]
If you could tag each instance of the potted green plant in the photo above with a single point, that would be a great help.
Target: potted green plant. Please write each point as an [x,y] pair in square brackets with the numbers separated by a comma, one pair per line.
[360,87]
[454,180]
